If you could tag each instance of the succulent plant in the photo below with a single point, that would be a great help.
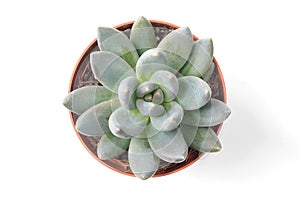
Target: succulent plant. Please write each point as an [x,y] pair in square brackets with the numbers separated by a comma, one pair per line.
[153,102]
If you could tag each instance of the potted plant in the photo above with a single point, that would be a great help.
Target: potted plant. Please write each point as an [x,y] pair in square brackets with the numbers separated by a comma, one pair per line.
[147,98]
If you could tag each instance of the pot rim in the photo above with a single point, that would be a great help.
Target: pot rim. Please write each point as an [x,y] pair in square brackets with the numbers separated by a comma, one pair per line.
[129,23]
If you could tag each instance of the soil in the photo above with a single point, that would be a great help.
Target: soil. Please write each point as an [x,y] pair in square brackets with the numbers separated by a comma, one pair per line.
[83,76]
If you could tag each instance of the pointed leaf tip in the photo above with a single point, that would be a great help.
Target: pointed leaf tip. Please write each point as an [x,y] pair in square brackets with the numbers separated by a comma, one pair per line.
[213,113]
[185,30]
[142,35]
[142,160]
[200,59]
[169,146]
[113,40]
[177,45]
[83,98]
[206,140]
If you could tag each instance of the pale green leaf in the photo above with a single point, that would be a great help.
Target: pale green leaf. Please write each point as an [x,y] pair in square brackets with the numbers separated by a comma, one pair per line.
[167,82]
[151,61]
[146,88]
[206,140]
[124,124]
[142,160]
[169,146]
[170,119]
[209,72]
[213,113]
[111,146]
[110,69]
[149,108]
[83,98]
[189,132]
[177,46]
[142,35]
[94,121]
[193,92]
[158,97]
[113,40]
[200,58]
[126,92]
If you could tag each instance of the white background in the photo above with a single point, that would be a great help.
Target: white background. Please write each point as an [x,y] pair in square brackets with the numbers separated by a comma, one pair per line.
[257,47]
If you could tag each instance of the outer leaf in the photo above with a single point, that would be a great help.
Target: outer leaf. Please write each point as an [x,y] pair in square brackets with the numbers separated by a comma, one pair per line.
[177,45]
[200,59]
[142,35]
[209,72]
[109,69]
[94,121]
[213,113]
[193,92]
[126,92]
[123,125]
[169,146]
[189,132]
[111,146]
[151,61]
[143,162]
[81,99]
[113,40]
[170,119]
[149,108]
[168,84]
[206,140]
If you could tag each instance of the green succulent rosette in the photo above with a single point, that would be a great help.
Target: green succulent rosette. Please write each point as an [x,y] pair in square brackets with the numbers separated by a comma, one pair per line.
[154,102]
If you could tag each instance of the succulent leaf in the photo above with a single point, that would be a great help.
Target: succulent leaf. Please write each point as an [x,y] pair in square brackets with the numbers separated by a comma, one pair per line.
[206,140]
[200,59]
[146,88]
[209,72]
[193,92]
[148,97]
[167,82]
[169,146]
[177,46]
[149,108]
[151,61]
[123,124]
[94,121]
[126,92]
[82,99]
[142,35]
[142,160]
[189,132]
[213,113]
[113,40]
[111,146]
[110,69]
[138,118]
[158,97]
[170,119]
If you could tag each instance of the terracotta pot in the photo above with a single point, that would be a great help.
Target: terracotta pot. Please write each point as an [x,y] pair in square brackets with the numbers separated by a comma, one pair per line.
[83,76]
